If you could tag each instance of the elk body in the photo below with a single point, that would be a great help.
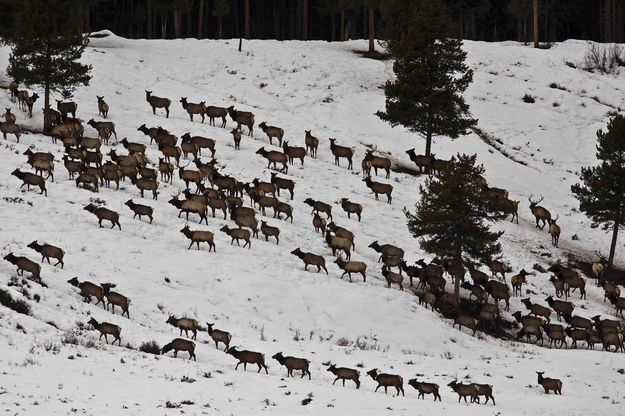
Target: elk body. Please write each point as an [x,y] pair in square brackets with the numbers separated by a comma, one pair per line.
[554,230]
[341,151]
[464,391]
[540,213]
[219,336]
[193,108]
[319,206]
[197,237]
[274,157]
[25,264]
[425,388]
[310,259]
[184,324]
[66,108]
[282,183]
[312,143]
[140,210]
[387,250]
[103,107]
[88,289]
[270,231]
[104,214]
[116,299]
[201,143]
[378,162]
[146,184]
[106,329]
[237,234]
[246,357]
[271,132]
[379,188]
[392,277]
[387,380]
[213,112]
[9,117]
[350,267]
[47,251]
[351,208]
[30,101]
[10,128]
[180,344]
[157,102]
[344,373]
[190,206]
[29,179]
[294,152]
[548,384]
[245,118]
[424,163]
[293,363]
[338,243]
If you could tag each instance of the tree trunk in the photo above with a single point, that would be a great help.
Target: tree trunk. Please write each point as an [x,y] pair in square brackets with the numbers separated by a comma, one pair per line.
[536,44]
[164,24]
[219,27]
[305,20]
[177,23]
[342,25]
[149,19]
[200,20]
[371,30]
[428,143]
[247,20]
[86,25]
[613,245]
[333,31]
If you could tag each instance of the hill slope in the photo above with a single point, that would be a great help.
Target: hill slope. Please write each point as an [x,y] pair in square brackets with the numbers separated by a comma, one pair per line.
[262,295]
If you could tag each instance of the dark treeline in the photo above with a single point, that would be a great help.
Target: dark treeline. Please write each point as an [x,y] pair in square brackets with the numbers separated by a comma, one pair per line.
[487,20]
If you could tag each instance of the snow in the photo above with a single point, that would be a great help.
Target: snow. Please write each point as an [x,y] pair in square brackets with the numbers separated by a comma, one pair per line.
[263,296]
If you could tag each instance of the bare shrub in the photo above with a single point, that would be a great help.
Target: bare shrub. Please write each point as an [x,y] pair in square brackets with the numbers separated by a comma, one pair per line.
[604,58]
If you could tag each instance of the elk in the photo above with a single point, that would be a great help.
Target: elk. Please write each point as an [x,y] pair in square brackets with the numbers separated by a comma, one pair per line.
[236,137]
[554,230]
[378,162]
[465,390]
[342,232]
[549,383]
[270,231]
[190,206]
[146,184]
[310,259]
[344,373]
[25,264]
[245,118]
[54,116]
[65,108]
[87,178]
[556,334]
[13,88]
[536,309]
[139,210]
[387,380]
[265,187]
[540,213]
[42,165]
[180,344]
[571,277]
[171,151]
[562,308]
[219,336]
[509,207]
[312,143]
[498,267]
[103,107]
[115,299]
[424,163]
[166,169]
[9,117]
[152,132]
[47,251]
[274,157]
[609,288]
[294,152]
[425,388]
[213,112]
[282,183]
[387,250]
[598,267]
[193,108]
[197,237]
[190,176]
[10,128]
[22,96]
[104,214]
[350,267]
[319,224]
[184,324]
[30,101]
[351,208]
[271,132]
[498,291]
[88,289]
[157,102]
[237,234]
[133,147]
[495,195]
[379,188]
[338,243]
[29,179]
[341,151]
[319,206]
[517,281]
[293,363]
[201,143]
[246,357]
[366,168]
[467,321]
[392,277]
[106,329]
[99,126]
[618,302]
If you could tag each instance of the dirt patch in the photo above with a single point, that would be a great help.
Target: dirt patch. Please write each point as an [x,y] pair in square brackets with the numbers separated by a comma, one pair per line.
[378,56]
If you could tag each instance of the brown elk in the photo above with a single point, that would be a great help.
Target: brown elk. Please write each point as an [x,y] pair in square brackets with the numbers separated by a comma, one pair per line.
[200,142]
[293,363]
[65,108]
[88,289]
[245,118]
[540,213]
[237,234]
[213,112]
[219,336]
[464,391]
[47,251]
[387,380]
[193,108]
[554,230]
[274,157]
[157,102]
[294,152]
[190,206]
[25,264]
[104,214]
[270,231]
[236,137]
[424,163]
[10,128]
[103,107]
[271,132]
[319,206]
[166,169]
[140,210]
[351,208]
[344,373]
[133,147]
[246,357]
[9,117]
[599,266]
[29,179]
[350,267]
[312,143]
[379,188]
[180,344]
[146,184]
[310,259]
[106,329]
[13,88]
[378,162]
[184,324]
[197,237]
[30,101]
[341,151]
[282,183]
[425,388]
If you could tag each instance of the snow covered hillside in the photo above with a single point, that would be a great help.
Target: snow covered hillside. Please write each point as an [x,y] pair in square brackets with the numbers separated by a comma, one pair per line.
[262,295]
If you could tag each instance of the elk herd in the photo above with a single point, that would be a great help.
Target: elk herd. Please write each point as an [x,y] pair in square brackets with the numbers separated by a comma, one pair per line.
[208,187]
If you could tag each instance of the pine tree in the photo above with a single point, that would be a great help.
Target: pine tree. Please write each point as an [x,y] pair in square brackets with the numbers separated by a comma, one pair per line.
[601,193]
[426,96]
[47,44]
[220,9]
[451,217]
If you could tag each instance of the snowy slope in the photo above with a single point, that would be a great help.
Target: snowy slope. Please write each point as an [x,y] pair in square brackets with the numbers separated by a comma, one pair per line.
[262,295]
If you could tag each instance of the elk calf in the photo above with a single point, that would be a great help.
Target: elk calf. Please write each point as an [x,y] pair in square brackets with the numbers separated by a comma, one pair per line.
[271,132]
[25,264]
[106,329]
[103,107]
[549,383]
[29,179]
[104,214]
[310,259]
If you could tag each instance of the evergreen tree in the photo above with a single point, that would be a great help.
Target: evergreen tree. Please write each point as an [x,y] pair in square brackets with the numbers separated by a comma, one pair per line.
[220,9]
[451,217]
[426,96]
[47,44]
[601,193]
